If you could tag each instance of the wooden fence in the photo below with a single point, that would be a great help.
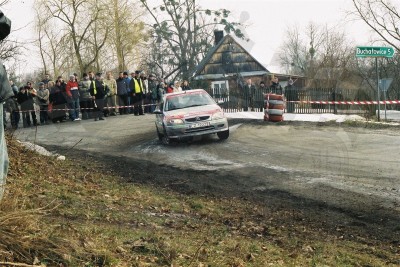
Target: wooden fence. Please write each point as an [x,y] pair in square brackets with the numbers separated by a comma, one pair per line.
[232,102]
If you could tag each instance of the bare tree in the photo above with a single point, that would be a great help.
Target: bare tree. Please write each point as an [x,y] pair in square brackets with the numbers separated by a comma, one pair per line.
[321,54]
[382,16]
[127,31]
[182,31]
[293,53]
[78,20]
[298,53]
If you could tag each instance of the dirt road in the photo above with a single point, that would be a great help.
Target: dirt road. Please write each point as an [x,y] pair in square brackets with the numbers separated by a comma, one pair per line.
[348,173]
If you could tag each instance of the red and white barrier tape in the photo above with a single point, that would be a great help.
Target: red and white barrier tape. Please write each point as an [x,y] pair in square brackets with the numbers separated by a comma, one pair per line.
[345,102]
[348,102]
[68,109]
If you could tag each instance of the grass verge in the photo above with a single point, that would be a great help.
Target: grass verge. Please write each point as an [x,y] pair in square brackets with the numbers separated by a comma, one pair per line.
[74,213]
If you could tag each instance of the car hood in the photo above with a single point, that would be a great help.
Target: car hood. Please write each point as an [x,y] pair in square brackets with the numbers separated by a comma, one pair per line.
[193,111]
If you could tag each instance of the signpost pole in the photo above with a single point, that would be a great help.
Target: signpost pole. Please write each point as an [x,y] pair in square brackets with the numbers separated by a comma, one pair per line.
[384,96]
[377,85]
[373,51]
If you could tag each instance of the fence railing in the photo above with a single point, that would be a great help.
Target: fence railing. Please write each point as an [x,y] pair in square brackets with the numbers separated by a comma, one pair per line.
[233,101]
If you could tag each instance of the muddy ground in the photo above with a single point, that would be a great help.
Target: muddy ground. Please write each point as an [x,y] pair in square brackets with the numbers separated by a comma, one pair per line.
[337,177]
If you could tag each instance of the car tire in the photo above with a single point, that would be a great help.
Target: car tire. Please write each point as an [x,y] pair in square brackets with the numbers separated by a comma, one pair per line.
[165,139]
[223,135]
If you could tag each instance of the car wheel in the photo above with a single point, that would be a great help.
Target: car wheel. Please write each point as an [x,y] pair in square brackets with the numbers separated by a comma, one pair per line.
[165,139]
[223,135]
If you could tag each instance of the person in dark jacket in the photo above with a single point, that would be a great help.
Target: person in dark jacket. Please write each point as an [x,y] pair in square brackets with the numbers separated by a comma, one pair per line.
[291,96]
[249,91]
[12,107]
[43,95]
[98,91]
[130,101]
[86,103]
[275,87]
[185,86]
[161,91]
[153,91]
[122,94]
[136,85]
[58,101]
[25,99]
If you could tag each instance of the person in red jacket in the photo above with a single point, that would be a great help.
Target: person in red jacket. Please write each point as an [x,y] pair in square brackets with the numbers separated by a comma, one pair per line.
[170,88]
[72,90]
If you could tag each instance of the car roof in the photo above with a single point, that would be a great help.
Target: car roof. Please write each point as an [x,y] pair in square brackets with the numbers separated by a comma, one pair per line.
[186,92]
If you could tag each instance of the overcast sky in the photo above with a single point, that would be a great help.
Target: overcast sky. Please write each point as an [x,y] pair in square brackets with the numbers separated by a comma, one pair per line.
[267,20]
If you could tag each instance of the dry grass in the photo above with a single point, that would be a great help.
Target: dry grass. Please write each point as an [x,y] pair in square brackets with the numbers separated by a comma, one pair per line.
[77,214]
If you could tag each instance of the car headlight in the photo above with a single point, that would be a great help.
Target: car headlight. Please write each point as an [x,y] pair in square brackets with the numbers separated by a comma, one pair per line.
[218,115]
[174,121]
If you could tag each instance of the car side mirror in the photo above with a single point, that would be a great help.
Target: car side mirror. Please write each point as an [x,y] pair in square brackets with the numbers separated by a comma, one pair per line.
[157,111]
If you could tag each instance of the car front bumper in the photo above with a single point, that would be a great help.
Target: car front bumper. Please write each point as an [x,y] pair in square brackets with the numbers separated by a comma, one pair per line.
[186,130]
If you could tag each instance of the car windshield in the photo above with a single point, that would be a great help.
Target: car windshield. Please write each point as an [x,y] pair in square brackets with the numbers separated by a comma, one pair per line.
[188,100]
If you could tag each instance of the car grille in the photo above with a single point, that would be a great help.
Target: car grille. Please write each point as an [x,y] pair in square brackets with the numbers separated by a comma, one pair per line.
[199,118]
[200,129]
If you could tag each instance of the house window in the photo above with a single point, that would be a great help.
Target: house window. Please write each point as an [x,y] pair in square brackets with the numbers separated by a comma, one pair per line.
[220,88]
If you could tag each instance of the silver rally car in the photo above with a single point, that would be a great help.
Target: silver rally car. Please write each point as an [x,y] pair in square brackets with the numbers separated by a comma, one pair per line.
[187,114]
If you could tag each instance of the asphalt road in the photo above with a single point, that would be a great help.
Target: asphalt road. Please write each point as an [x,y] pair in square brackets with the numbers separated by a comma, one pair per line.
[344,167]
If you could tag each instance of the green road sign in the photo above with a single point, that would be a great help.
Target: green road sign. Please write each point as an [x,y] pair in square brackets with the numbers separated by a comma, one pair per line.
[373,51]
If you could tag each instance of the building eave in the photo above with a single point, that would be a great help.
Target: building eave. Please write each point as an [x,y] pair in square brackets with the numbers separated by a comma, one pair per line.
[228,75]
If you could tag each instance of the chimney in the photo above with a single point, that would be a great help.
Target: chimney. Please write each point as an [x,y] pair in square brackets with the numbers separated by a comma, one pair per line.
[218,35]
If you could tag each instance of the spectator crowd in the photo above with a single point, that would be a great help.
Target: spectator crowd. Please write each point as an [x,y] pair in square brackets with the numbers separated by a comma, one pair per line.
[93,96]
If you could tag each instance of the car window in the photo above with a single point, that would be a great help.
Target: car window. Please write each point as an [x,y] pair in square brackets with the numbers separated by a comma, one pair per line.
[188,100]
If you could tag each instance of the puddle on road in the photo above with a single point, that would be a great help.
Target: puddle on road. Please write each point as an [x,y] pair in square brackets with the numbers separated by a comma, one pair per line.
[183,156]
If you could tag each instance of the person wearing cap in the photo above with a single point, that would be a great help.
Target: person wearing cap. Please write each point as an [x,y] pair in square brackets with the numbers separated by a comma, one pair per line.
[98,91]
[43,97]
[72,90]
[122,93]
[136,86]
[263,88]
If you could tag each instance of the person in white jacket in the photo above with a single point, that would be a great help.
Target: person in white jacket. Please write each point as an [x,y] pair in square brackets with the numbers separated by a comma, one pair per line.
[177,87]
